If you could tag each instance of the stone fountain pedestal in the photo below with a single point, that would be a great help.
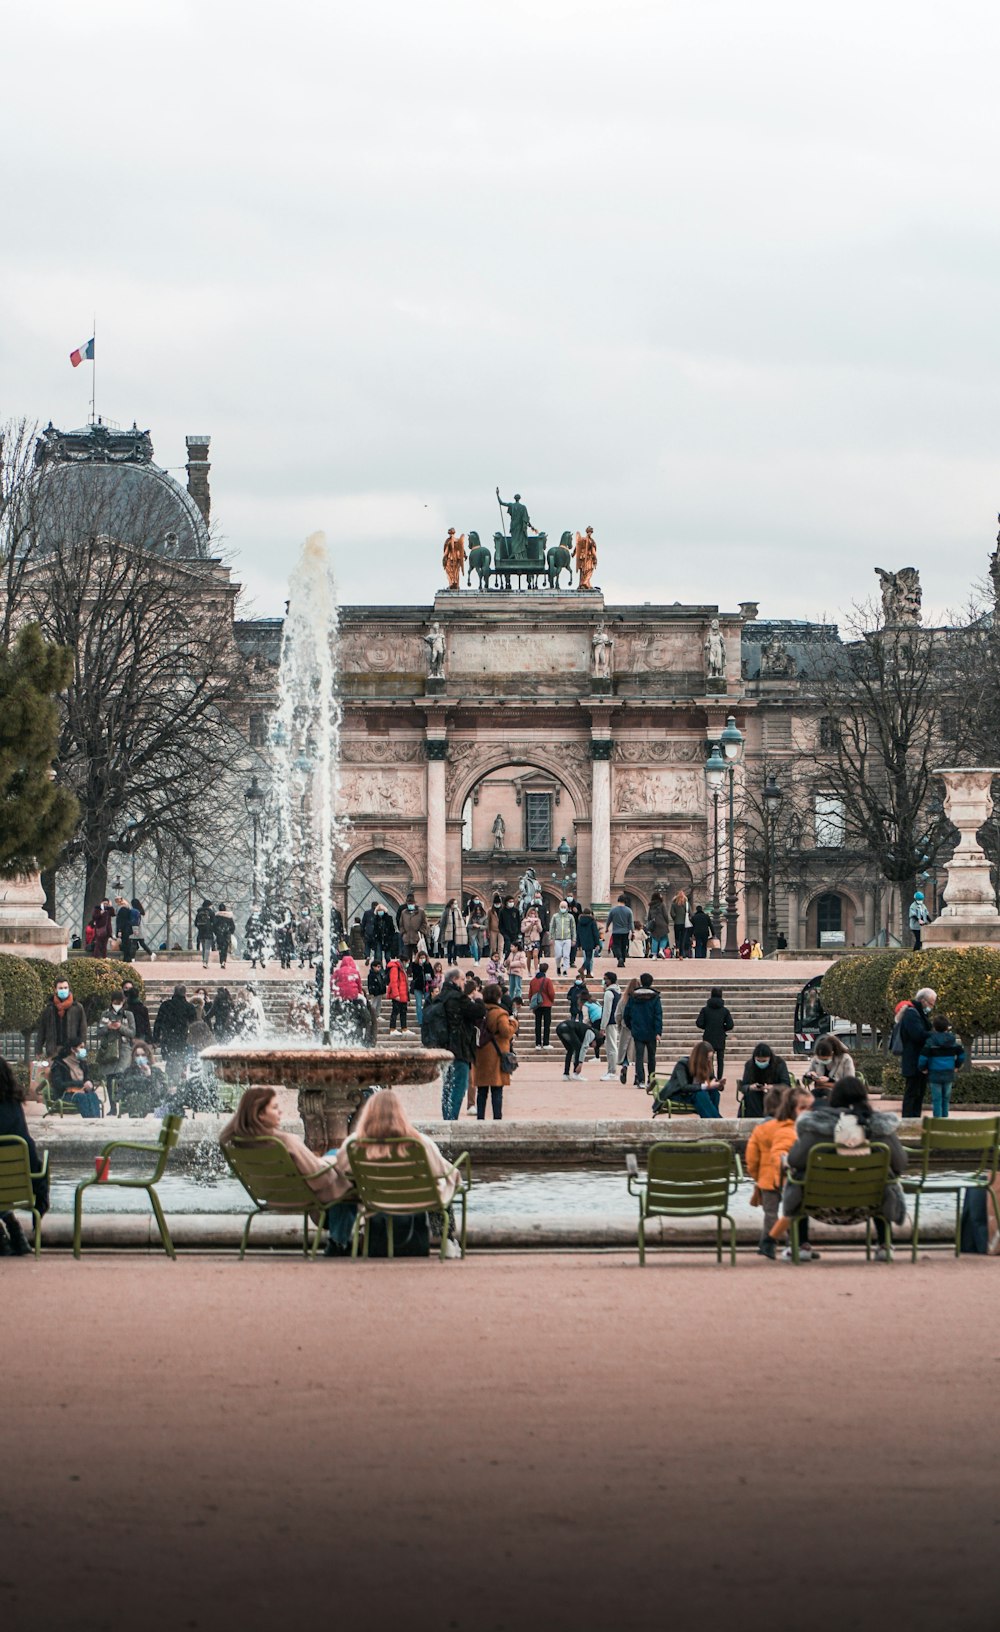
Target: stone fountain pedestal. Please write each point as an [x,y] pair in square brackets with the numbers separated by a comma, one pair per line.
[330,1081]
[26,930]
[969,916]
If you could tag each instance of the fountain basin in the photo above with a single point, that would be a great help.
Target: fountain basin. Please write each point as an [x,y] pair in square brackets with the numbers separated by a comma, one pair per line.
[330,1081]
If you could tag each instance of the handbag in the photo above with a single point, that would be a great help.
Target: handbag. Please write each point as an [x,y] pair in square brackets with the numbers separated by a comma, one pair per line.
[509,1061]
[535,1000]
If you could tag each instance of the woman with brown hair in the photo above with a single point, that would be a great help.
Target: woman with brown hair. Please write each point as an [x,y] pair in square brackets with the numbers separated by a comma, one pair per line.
[499,1030]
[680,917]
[694,1080]
[258,1116]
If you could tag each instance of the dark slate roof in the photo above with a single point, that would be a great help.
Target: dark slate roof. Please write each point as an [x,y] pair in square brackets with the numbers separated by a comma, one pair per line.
[806,642]
[98,480]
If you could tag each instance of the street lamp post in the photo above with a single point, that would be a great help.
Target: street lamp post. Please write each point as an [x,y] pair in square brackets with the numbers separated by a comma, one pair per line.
[715,770]
[565,856]
[773,796]
[731,742]
[254,800]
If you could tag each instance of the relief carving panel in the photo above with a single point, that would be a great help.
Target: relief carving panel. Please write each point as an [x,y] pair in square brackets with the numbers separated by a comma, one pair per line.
[659,793]
[381,793]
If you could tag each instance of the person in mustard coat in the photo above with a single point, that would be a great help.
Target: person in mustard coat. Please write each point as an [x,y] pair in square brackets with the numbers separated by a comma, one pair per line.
[498,1031]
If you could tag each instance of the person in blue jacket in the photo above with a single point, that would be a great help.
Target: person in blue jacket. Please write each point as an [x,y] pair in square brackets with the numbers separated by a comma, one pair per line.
[644,1018]
[943,1055]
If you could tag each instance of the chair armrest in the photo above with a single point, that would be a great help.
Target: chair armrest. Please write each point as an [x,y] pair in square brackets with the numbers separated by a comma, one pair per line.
[464,1164]
[127,1144]
[738,1174]
[43,1170]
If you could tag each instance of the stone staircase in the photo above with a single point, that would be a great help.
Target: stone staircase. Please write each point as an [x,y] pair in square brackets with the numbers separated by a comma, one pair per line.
[763,1011]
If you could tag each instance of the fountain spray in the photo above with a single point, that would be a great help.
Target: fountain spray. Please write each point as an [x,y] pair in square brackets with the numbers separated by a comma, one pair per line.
[307,742]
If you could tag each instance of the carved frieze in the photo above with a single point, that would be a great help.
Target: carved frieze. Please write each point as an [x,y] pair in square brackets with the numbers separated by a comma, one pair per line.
[381,751]
[381,793]
[679,751]
[375,650]
[659,793]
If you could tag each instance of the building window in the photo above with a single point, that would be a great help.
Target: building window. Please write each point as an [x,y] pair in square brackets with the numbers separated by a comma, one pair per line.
[258,730]
[830,920]
[829,731]
[538,821]
[829,820]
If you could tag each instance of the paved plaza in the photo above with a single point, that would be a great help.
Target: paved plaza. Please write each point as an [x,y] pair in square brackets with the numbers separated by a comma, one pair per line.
[559,1442]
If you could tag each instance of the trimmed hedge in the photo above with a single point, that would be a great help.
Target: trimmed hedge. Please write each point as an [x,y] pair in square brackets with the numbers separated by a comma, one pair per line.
[855,989]
[967,982]
[92,981]
[22,992]
[973,1086]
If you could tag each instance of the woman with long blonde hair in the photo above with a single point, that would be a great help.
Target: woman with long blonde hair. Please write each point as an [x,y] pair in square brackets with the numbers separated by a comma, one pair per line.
[383,1119]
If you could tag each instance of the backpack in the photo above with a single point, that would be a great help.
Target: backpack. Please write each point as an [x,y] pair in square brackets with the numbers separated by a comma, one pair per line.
[434,1028]
[378,980]
[614,1008]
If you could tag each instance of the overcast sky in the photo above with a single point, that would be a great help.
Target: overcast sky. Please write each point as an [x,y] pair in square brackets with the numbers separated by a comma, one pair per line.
[718,278]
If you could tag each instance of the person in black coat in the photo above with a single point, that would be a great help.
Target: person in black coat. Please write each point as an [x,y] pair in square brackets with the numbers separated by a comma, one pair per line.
[12,1121]
[701,931]
[139,1013]
[174,1016]
[510,924]
[714,1022]
[588,939]
[124,926]
[914,1028]
[764,1069]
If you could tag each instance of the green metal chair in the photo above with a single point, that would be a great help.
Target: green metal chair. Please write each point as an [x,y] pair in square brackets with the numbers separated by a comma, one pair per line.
[169,1132]
[837,1181]
[671,1107]
[269,1176]
[973,1145]
[693,1180]
[16,1190]
[54,1106]
[400,1184]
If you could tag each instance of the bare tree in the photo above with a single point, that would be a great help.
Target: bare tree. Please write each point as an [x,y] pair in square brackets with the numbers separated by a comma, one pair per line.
[149,722]
[888,706]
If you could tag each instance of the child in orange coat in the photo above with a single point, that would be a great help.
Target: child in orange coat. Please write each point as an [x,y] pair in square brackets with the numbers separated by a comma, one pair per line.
[768,1143]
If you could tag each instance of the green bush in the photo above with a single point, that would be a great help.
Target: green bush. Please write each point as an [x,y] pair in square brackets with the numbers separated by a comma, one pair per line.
[92,981]
[974,1086]
[23,996]
[967,982]
[872,1066]
[855,989]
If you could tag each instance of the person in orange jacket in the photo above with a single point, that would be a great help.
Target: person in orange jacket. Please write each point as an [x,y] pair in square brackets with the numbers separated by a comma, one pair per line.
[767,1144]
[399,995]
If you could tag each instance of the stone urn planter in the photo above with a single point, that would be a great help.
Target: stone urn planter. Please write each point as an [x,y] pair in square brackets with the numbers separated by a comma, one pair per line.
[969,915]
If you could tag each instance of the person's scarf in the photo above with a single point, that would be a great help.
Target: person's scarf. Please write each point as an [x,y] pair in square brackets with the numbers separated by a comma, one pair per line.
[62,1003]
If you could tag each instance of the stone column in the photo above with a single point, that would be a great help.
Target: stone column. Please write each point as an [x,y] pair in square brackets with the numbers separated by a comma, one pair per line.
[869,912]
[600,825]
[437,844]
[792,901]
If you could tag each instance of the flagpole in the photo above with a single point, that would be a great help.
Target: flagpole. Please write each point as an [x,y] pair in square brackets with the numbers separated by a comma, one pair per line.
[93,376]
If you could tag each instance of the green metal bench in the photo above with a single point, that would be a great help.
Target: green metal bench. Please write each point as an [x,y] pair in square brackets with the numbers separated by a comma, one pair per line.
[16,1190]
[693,1180]
[839,1181]
[401,1184]
[972,1144]
[169,1132]
[269,1176]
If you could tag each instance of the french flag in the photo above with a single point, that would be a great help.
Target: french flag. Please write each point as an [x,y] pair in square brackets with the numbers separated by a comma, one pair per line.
[83,354]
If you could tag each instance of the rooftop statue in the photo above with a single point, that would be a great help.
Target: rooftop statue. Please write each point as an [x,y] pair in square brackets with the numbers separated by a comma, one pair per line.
[715,652]
[453,559]
[586,557]
[901,595]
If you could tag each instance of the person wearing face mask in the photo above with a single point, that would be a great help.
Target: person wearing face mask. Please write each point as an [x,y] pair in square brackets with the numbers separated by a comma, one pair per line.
[62,1022]
[142,1089]
[113,1037]
[763,1070]
[139,1012]
[70,1078]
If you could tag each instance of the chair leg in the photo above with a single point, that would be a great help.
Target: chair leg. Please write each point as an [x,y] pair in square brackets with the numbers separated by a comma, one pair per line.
[732,1240]
[168,1245]
[390,1238]
[642,1238]
[996,1204]
[246,1235]
[316,1237]
[465,1216]
[868,1238]
[718,1239]
[915,1241]
[36,1215]
[795,1238]
[78,1215]
[888,1241]
[959,1198]
[356,1233]
[444,1233]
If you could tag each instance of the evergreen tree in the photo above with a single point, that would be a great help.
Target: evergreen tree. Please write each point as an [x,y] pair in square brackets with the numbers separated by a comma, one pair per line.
[36,816]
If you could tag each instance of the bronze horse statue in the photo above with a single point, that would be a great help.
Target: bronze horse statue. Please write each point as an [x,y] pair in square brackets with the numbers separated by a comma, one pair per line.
[480,561]
[560,558]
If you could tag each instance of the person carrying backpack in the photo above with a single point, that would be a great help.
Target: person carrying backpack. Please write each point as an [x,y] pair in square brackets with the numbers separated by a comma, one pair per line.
[943,1055]
[609,1023]
[378,982]
[452,1020]
[399,995]
[204,929]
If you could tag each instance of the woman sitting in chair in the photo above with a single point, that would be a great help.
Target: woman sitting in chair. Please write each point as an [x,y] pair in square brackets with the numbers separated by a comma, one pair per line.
[258,1116]
[12,1121]
[694,1080]
[384,1118]
[70,1079]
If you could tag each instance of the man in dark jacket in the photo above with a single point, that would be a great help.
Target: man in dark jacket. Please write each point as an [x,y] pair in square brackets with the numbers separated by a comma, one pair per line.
[462,1016]
[368,931]
[644,1019]
[62,1022]
[139,1013]
[124,926]
[510,924]
[914,1025]
[701,931]
[714,1022]
[619,926]
[588,938]
[174,1016]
